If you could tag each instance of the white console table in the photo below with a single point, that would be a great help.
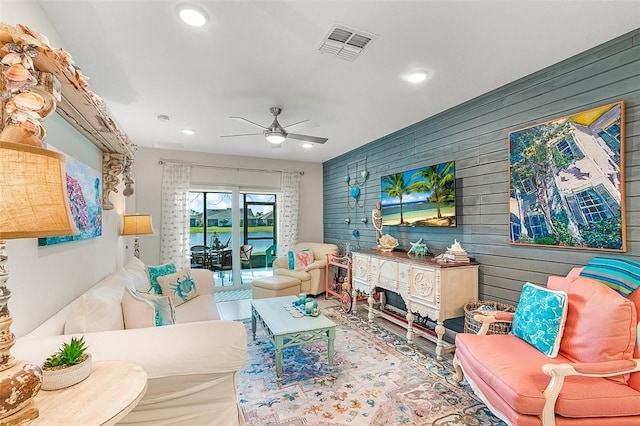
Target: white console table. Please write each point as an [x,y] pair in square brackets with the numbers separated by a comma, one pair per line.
[436,290]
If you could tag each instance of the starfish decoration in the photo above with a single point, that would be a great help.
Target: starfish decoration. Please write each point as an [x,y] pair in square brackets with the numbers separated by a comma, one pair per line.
[413,245]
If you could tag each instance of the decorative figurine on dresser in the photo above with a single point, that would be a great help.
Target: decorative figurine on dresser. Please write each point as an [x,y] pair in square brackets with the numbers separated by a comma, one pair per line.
[437,290]
[376,219]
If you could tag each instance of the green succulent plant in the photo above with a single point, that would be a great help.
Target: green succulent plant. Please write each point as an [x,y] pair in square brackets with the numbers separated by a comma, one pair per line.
[69,354]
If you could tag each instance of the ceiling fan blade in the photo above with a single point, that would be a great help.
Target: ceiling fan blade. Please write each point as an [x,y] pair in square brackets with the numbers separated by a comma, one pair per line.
[249,121]
[300,125]
[307,138]
[241,134]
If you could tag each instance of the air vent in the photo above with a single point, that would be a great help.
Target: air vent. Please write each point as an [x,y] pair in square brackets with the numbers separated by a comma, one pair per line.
[345,42]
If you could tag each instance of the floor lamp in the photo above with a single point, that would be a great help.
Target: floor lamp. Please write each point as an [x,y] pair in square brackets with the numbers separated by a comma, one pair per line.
[34,203]
[137,224]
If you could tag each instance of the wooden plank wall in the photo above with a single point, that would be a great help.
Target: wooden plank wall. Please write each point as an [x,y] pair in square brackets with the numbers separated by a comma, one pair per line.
[474,134]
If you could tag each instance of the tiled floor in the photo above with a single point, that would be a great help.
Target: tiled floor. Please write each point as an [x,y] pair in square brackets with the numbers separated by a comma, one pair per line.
[241,309]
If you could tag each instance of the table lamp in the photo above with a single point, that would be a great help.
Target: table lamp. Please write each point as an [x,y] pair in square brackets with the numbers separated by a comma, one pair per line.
[137,224]
[33,203]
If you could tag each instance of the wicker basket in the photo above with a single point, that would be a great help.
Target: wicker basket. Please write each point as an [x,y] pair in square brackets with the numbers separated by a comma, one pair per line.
[472,309]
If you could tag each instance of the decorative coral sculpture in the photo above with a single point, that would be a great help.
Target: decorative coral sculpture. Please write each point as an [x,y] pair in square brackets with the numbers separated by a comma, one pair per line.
[387,243]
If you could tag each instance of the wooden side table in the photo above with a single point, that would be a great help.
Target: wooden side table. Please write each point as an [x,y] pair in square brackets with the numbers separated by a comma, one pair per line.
[112,390]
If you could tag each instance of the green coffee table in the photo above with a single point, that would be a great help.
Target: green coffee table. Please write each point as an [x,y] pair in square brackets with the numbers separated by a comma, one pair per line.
[286,331]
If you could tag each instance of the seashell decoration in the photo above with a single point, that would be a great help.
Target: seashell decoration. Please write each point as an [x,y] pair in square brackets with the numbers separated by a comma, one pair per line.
[17,72]
[28,101]
[12,59]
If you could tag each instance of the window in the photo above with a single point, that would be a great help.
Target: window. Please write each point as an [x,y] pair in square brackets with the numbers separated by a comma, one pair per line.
[569,149]
[592,205]
[212,221]
[537,224]
[528,186]
[259,214]
[611,136]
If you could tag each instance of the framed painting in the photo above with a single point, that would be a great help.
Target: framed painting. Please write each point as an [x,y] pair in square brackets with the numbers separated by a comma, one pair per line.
[566,181]
[84,189]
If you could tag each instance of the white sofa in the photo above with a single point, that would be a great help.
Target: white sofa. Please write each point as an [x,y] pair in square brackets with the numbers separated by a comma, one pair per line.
[192,366]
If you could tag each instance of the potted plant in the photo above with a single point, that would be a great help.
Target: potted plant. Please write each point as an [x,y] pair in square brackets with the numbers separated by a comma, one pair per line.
[71,364]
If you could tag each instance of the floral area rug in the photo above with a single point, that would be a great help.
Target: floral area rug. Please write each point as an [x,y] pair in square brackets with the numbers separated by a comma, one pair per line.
[377,380]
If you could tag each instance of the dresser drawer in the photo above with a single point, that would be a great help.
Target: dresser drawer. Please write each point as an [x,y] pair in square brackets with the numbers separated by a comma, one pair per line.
[424,286]
[389,274]
[360,267]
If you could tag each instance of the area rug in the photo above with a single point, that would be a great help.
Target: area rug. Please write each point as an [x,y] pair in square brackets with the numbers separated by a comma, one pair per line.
[377,380]
[229,295]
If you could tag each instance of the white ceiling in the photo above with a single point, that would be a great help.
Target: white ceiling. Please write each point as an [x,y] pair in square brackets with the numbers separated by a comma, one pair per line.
[256,54]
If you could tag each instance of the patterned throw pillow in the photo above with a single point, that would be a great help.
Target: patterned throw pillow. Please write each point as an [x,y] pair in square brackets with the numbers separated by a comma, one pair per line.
[180,287]
[159,271]
[622,275]
[300,260]
[142,310]
[163,305]
[137,312]
[539,318]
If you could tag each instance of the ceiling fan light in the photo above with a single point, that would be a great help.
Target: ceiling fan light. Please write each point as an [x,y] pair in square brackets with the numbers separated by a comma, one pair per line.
[274,137]
[192,15]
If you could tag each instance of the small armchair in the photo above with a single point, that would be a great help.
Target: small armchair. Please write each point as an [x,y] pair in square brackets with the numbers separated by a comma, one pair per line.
[312,277]
[594,379]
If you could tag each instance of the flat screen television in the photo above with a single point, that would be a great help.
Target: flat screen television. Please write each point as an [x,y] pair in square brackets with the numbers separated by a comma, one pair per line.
[420,197]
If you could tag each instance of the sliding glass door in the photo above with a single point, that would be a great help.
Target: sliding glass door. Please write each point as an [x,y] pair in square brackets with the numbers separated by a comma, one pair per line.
[213,225]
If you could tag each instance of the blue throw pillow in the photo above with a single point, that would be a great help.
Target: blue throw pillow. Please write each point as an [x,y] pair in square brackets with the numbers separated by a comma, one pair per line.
[539,318]
[158,271]
[622,275]
[292,259]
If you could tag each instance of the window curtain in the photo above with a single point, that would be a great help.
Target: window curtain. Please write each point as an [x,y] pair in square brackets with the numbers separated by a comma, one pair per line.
[174,246]
[287,204]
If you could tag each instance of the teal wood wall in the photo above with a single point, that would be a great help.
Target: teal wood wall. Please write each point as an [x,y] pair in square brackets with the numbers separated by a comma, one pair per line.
[474,134]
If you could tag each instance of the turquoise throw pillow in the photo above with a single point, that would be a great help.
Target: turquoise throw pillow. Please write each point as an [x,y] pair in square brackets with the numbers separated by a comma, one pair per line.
[163,305]
[292,259]
[539,318]
[159,271]
[622,275]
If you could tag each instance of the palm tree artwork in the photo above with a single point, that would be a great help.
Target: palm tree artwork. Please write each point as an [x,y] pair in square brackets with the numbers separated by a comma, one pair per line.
[420,197]
[440,180]
[395,186]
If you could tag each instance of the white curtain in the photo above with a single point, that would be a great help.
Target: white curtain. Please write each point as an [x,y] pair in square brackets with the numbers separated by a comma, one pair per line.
[174,247]
[288,211]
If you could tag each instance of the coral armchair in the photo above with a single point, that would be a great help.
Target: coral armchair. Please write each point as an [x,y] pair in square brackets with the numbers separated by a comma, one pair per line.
[594,379]
[312,277]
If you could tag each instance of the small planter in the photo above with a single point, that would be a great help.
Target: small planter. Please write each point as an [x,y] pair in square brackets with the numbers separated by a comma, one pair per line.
[59,378]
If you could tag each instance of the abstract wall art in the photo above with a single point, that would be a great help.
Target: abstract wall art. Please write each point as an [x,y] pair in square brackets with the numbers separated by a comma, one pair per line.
[84,189]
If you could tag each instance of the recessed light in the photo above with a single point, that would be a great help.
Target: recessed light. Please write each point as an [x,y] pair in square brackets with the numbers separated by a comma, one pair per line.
[307,145]
[416,76]
[188,131]
[192,15]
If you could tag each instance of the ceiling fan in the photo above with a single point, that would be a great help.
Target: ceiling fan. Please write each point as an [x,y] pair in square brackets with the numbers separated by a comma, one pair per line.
[276,134]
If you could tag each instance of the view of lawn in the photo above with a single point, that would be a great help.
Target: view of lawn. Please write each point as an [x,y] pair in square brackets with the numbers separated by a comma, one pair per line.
[227,229]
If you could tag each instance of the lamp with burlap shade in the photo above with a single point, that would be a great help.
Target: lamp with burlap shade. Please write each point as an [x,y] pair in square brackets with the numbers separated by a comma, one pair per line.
[33,203]
[137,224]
